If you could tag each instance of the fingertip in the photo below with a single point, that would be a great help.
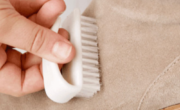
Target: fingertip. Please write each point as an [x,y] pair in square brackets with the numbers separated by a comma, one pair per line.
[63,6]
[64,51]
[64,33]
[57,6]
[33,80]
[72,54]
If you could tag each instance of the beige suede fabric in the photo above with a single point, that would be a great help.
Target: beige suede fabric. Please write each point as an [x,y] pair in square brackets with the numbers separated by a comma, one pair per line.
[139,43]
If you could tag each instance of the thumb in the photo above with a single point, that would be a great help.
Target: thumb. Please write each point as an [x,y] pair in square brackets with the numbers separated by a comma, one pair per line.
[19,32]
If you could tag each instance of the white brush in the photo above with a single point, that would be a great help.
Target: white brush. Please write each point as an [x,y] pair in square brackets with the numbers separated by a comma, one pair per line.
[79,78]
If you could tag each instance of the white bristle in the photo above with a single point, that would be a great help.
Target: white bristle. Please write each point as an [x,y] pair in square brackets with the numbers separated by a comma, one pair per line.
[91,74]
[86,24]
[92,69]
[90,55]
[91,37]
[90,89]
[91,43]
[97,87]
[84,70]
[88,19]
[91,81]
[90,48]
[89,30]
[90,61]
[85,93]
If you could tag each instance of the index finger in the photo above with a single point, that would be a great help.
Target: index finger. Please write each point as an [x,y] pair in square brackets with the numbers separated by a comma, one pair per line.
[49,12]
[27,7]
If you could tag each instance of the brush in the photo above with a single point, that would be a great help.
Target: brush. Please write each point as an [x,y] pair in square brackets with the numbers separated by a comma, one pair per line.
[80,77]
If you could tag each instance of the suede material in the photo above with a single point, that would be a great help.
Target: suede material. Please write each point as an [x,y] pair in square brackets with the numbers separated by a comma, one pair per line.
[164,90]
[138,40]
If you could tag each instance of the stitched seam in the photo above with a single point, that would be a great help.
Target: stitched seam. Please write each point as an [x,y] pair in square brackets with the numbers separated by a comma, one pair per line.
[156,80]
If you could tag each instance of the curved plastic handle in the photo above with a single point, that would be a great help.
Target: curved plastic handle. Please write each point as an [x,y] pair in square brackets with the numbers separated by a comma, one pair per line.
[56,87]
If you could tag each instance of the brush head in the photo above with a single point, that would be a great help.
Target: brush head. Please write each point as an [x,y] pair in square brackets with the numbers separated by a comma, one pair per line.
[90,57]
[79,78]
[85,65]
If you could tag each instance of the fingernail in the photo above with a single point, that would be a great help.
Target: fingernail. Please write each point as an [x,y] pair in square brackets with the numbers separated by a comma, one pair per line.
[62,49]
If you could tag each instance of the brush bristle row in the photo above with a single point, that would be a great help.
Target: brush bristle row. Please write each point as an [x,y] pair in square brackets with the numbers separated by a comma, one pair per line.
[91,76]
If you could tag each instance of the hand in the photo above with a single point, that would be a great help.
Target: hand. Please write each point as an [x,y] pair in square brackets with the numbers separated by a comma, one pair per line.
[25,24]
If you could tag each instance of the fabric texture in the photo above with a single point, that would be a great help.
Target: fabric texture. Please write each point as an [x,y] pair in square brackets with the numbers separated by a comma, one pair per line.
[139,43]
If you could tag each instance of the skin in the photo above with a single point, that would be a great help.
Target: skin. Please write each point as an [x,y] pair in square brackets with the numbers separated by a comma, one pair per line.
[25,24]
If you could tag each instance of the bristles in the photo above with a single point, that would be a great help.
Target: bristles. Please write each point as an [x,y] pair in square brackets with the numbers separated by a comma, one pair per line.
[91,80]
[90,48]
[93,74]
[90,68]
[88,19]
[89,30]
[89,25]
[91,37]
[89,61]
[90,55]
[88,42]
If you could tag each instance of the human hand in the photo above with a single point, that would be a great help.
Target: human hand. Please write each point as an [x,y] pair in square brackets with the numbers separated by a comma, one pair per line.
[24,24]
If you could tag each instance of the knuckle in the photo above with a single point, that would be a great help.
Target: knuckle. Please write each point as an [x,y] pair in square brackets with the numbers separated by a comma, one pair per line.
[37,42]
[7,16]
[6,10]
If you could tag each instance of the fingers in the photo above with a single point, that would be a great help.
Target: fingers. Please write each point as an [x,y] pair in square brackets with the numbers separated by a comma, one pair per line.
[33,80]
[27,7]
[29,60]
[24,61]
[10,79]
[36,39]
[14,57]
[17,31]
[49,12]
[17,83]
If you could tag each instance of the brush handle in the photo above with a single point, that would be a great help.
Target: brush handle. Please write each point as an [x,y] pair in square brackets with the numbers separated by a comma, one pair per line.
[56,87]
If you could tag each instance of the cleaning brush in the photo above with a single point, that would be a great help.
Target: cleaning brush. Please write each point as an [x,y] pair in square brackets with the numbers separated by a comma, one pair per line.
[79,78]
[83,32]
